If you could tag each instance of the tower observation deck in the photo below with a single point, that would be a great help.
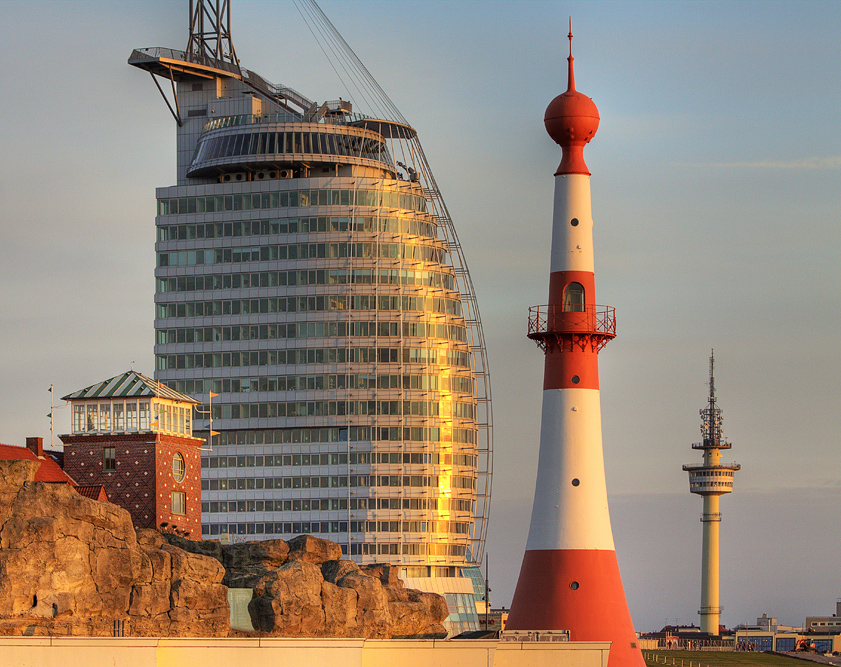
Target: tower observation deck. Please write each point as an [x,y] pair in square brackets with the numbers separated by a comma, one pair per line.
[711,479]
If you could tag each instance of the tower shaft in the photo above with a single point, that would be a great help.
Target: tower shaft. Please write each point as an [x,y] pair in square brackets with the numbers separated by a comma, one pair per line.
[710,609]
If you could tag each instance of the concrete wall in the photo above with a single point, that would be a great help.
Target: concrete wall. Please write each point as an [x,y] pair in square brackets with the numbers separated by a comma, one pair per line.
[123,652]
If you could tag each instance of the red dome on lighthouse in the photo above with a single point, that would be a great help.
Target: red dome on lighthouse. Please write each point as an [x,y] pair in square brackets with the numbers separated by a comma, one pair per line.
[571,120]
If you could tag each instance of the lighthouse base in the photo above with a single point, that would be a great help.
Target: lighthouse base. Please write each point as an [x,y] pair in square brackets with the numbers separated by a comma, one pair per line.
[579,590]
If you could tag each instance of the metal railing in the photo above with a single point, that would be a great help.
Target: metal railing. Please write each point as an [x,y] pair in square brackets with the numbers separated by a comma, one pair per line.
[534,636]
[252,79]
[723,444]
[183,56]
[657,658]
[721,467]
[285,92]
[290,117]
[554,319]
[551,325]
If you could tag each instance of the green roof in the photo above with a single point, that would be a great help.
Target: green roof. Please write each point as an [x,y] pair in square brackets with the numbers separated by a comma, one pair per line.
[129,385]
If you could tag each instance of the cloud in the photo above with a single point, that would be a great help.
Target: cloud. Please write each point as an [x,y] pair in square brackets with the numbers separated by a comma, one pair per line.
[831,162]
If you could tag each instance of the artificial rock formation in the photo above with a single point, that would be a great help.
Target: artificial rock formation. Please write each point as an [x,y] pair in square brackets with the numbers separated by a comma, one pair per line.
[70,565]
[302,588]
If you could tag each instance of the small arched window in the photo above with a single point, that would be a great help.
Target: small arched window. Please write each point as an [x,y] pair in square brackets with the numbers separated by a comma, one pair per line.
[178,467]
[574,298]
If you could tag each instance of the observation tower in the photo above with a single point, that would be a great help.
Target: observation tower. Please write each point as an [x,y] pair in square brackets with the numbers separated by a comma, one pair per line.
[570,578]
[711,480]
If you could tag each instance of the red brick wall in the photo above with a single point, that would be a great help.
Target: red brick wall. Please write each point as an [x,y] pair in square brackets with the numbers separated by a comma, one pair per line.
[142,482]
[190,485]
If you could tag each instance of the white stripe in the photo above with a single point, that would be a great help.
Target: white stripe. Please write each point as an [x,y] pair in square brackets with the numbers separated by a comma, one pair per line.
[565,516]
[572,247]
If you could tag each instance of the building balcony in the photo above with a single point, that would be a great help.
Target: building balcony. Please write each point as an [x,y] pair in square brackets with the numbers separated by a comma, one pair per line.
[710,610]
[711,469]
[711,445]
[552,326]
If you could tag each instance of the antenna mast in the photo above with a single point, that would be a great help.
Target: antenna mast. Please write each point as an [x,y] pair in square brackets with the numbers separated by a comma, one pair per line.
[210,31]
[711,415]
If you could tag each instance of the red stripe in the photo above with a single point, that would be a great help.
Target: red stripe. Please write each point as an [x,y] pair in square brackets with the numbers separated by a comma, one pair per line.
[579,590]
[575,359]
[571,367]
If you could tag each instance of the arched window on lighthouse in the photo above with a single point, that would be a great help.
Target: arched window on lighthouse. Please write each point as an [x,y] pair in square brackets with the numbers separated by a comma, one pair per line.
[574,298]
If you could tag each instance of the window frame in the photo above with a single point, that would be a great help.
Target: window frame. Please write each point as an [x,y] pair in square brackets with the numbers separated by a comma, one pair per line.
[574,290]
[109,458]
[178,503]
[179,467]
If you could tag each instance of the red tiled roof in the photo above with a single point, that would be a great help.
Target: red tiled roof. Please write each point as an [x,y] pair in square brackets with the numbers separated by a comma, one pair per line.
[95,491]
[49,470]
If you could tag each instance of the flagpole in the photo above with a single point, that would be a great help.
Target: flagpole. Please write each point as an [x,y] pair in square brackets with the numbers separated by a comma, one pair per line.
[208,412]
[50,415]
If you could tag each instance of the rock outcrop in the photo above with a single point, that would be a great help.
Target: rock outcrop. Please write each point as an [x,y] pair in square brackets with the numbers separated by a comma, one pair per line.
[70,565]
[302,588]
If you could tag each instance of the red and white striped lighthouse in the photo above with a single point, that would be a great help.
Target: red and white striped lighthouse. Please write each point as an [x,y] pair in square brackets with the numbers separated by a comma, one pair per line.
[570,578]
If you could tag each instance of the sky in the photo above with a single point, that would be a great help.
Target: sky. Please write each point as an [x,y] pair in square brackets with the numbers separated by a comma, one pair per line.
[715,186]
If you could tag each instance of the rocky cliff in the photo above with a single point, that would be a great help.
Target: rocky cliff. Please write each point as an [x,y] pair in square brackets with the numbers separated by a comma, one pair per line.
[302,588]
[70,565]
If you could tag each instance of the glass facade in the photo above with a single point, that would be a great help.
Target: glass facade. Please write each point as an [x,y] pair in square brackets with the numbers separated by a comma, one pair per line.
[127,415]
[475,575]
[463,616]
[309,285]
[311,292]
[786,643]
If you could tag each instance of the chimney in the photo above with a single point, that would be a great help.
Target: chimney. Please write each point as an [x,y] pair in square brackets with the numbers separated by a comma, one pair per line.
[36,446]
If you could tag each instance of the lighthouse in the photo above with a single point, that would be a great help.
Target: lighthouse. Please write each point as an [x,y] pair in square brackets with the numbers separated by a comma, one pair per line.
[711,479]
[569,579]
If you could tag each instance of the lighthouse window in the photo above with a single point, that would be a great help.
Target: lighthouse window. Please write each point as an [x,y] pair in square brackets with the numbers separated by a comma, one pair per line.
[574,585]
[574,222]
[574,298]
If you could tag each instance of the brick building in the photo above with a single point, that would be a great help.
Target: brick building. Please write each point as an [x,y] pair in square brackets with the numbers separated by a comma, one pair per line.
[134,436]
[51,470]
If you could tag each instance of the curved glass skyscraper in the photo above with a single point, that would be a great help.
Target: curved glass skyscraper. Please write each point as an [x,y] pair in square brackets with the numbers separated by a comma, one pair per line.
[311,292]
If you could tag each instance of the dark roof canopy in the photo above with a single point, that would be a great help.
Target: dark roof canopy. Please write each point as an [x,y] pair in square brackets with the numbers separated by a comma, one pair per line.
[129,385]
